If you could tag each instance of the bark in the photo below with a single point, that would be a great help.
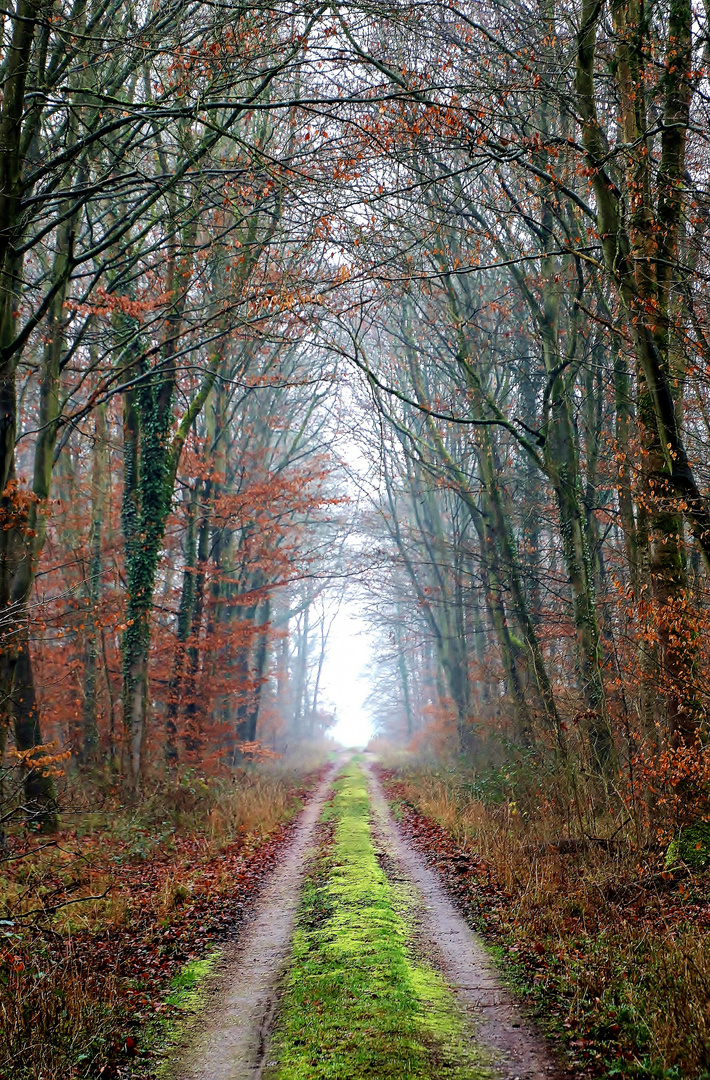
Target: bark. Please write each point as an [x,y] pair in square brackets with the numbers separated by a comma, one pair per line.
[151,458]
[404,678]
[641,257]
[11,190]
[635,531]
[193,733]
[563,464]
[184,622]
[559,461]
[532,529]
[452,647]
[21,544]
[301,673]
[510,657]
[499,557]
[623,415]
[90,734]
[313,707]
[249,728]
[40,795]
[152,463]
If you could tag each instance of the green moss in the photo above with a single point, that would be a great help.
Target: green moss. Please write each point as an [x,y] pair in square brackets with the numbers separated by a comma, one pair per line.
[355,1002]
[186,995]
[186,986]
[692,847]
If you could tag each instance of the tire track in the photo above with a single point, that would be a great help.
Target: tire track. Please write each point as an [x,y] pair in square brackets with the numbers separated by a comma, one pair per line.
[518,1052]
[229,1038]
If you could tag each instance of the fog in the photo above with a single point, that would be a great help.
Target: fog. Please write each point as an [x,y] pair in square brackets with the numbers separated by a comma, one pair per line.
[345,682]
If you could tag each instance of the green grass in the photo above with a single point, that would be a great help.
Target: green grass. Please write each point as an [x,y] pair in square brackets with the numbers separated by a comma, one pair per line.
[186,988]
[356,1003]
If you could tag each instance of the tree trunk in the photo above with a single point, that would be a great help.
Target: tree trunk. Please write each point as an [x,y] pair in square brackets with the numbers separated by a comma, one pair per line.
[640,244]
[193,734]
[39,787]
[404,678]
[261,654]
[184,623]
[301,674]
[90,735]
[22,540]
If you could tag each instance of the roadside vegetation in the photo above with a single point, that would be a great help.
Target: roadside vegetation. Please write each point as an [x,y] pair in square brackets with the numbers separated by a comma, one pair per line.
[357,1000]
[98,923]
[610,943]
[399,305]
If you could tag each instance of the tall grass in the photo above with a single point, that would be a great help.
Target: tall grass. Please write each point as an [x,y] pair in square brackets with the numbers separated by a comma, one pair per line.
[67,1006]
[58,1017]
[622,948]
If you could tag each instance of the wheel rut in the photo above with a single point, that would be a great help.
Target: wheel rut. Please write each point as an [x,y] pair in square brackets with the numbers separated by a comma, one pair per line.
[518,1052]
[229,1039]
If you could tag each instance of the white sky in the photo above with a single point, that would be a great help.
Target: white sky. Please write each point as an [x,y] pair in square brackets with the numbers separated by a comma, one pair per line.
[345,685]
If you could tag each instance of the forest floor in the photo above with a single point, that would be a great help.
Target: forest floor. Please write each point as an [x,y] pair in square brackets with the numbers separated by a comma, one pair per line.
[354,964]
[216,933]
[88,986]
[608,947]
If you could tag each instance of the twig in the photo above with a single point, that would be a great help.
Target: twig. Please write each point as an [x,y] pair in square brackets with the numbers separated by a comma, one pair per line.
[56,907]
[26,854]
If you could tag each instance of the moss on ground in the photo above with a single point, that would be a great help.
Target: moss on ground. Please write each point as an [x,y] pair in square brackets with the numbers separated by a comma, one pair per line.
[187,996]
[187,987]
[356,1003]
[691,846]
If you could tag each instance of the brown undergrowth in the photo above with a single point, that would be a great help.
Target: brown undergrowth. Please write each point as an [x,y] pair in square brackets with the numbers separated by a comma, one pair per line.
[82,980]
[611,949]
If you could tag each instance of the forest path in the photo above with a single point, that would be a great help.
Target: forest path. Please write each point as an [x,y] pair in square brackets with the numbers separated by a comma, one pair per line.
[229,1039]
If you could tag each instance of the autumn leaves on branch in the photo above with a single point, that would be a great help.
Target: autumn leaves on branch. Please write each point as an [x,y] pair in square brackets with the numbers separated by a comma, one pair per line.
[470,241]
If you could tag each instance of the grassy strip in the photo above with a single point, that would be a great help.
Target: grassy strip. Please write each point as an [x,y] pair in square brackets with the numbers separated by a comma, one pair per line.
[356,1004]
[187,999]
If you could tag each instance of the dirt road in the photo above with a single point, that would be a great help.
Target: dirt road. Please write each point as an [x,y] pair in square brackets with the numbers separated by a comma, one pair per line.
[229,1040]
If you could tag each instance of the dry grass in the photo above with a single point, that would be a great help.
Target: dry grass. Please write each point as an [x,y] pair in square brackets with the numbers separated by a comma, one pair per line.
[67,1004]
[253,805]
[56,1015]
[617,949]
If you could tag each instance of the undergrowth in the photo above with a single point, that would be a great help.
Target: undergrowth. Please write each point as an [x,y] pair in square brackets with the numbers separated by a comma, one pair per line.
[81,979]
[613,947]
